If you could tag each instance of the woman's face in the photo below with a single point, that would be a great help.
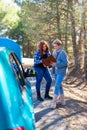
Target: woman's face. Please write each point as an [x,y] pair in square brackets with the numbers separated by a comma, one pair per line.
[56,46]
[44,47]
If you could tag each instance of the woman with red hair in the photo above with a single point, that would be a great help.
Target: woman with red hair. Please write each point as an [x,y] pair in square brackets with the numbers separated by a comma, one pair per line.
[42,70]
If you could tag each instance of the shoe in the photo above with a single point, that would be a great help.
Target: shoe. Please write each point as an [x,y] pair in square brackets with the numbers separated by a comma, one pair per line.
[62,100]
[60,104]
[40,99]
[63,103]
[53,105]
[54,101]
[48,97]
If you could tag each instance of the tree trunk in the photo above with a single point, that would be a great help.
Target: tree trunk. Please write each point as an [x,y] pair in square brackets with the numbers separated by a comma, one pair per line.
[80,49]
[84,21]
[66,36]
[75,48]
[58,20]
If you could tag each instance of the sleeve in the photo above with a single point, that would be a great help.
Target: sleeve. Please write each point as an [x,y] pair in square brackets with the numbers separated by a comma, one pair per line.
[54,54]
[37,57]
[62,60]
[48,53]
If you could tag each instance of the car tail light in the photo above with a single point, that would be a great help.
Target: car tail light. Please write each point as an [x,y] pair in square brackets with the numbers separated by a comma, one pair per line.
[18,128]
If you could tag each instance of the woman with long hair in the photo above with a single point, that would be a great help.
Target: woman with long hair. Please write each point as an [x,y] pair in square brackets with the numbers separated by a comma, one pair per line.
[42,70]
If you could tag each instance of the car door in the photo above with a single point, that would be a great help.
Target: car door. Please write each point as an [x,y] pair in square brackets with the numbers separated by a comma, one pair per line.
[25,97]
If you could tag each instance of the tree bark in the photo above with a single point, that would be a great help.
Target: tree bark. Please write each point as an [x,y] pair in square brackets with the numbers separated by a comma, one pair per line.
[58,20]
[84,20]
[75,48]
[66,35]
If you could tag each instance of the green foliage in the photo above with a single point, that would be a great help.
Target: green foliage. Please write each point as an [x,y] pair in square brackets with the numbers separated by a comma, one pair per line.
[40,19]
[28,15]
[8,16]
[17,33]
[2,15]
[11,18]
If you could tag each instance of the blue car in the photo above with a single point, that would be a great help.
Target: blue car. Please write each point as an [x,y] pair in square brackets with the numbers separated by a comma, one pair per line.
[16,106]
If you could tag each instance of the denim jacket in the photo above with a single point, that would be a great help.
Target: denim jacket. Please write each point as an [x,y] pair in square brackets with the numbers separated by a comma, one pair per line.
[61,61]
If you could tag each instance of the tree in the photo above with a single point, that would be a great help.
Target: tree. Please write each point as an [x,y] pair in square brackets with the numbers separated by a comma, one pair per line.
[73,29]
[9,18]
[17,33]
[2,15]
[84,27]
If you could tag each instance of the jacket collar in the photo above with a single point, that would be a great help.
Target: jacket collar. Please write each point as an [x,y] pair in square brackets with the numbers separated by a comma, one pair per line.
[59,50]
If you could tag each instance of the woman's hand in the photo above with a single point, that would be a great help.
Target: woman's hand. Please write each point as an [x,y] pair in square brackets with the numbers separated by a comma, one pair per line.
[53,63]
[44,65]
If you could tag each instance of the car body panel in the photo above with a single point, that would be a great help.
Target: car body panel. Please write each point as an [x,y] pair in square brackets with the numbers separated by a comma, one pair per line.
[14,46]
[16,106]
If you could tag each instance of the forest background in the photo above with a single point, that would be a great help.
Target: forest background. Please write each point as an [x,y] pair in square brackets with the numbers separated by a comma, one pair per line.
[29,21]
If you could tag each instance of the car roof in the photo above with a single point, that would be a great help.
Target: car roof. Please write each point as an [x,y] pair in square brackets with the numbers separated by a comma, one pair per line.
[14,46]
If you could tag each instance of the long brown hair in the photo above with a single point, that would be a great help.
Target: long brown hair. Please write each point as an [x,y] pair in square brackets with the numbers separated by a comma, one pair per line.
[40,46]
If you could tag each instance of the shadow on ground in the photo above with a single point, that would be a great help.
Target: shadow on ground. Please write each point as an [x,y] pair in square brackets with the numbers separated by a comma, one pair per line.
[73,109]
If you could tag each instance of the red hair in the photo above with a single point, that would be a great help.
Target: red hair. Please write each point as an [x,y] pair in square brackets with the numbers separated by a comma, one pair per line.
[41,44]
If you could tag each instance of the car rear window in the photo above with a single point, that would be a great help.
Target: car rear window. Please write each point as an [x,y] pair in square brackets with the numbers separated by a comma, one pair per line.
[18,69]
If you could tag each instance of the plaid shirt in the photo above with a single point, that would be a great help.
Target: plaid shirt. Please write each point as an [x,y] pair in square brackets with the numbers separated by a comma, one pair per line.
[37,56]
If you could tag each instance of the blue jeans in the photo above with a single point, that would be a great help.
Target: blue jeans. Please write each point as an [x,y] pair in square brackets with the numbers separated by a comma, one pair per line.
[43,73]
[58,89]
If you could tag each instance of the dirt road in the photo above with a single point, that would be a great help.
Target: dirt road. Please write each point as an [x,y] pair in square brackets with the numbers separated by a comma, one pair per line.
[71,117]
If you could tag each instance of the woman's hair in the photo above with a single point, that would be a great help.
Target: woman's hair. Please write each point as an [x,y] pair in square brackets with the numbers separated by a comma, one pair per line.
[40,46]
[57,41]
